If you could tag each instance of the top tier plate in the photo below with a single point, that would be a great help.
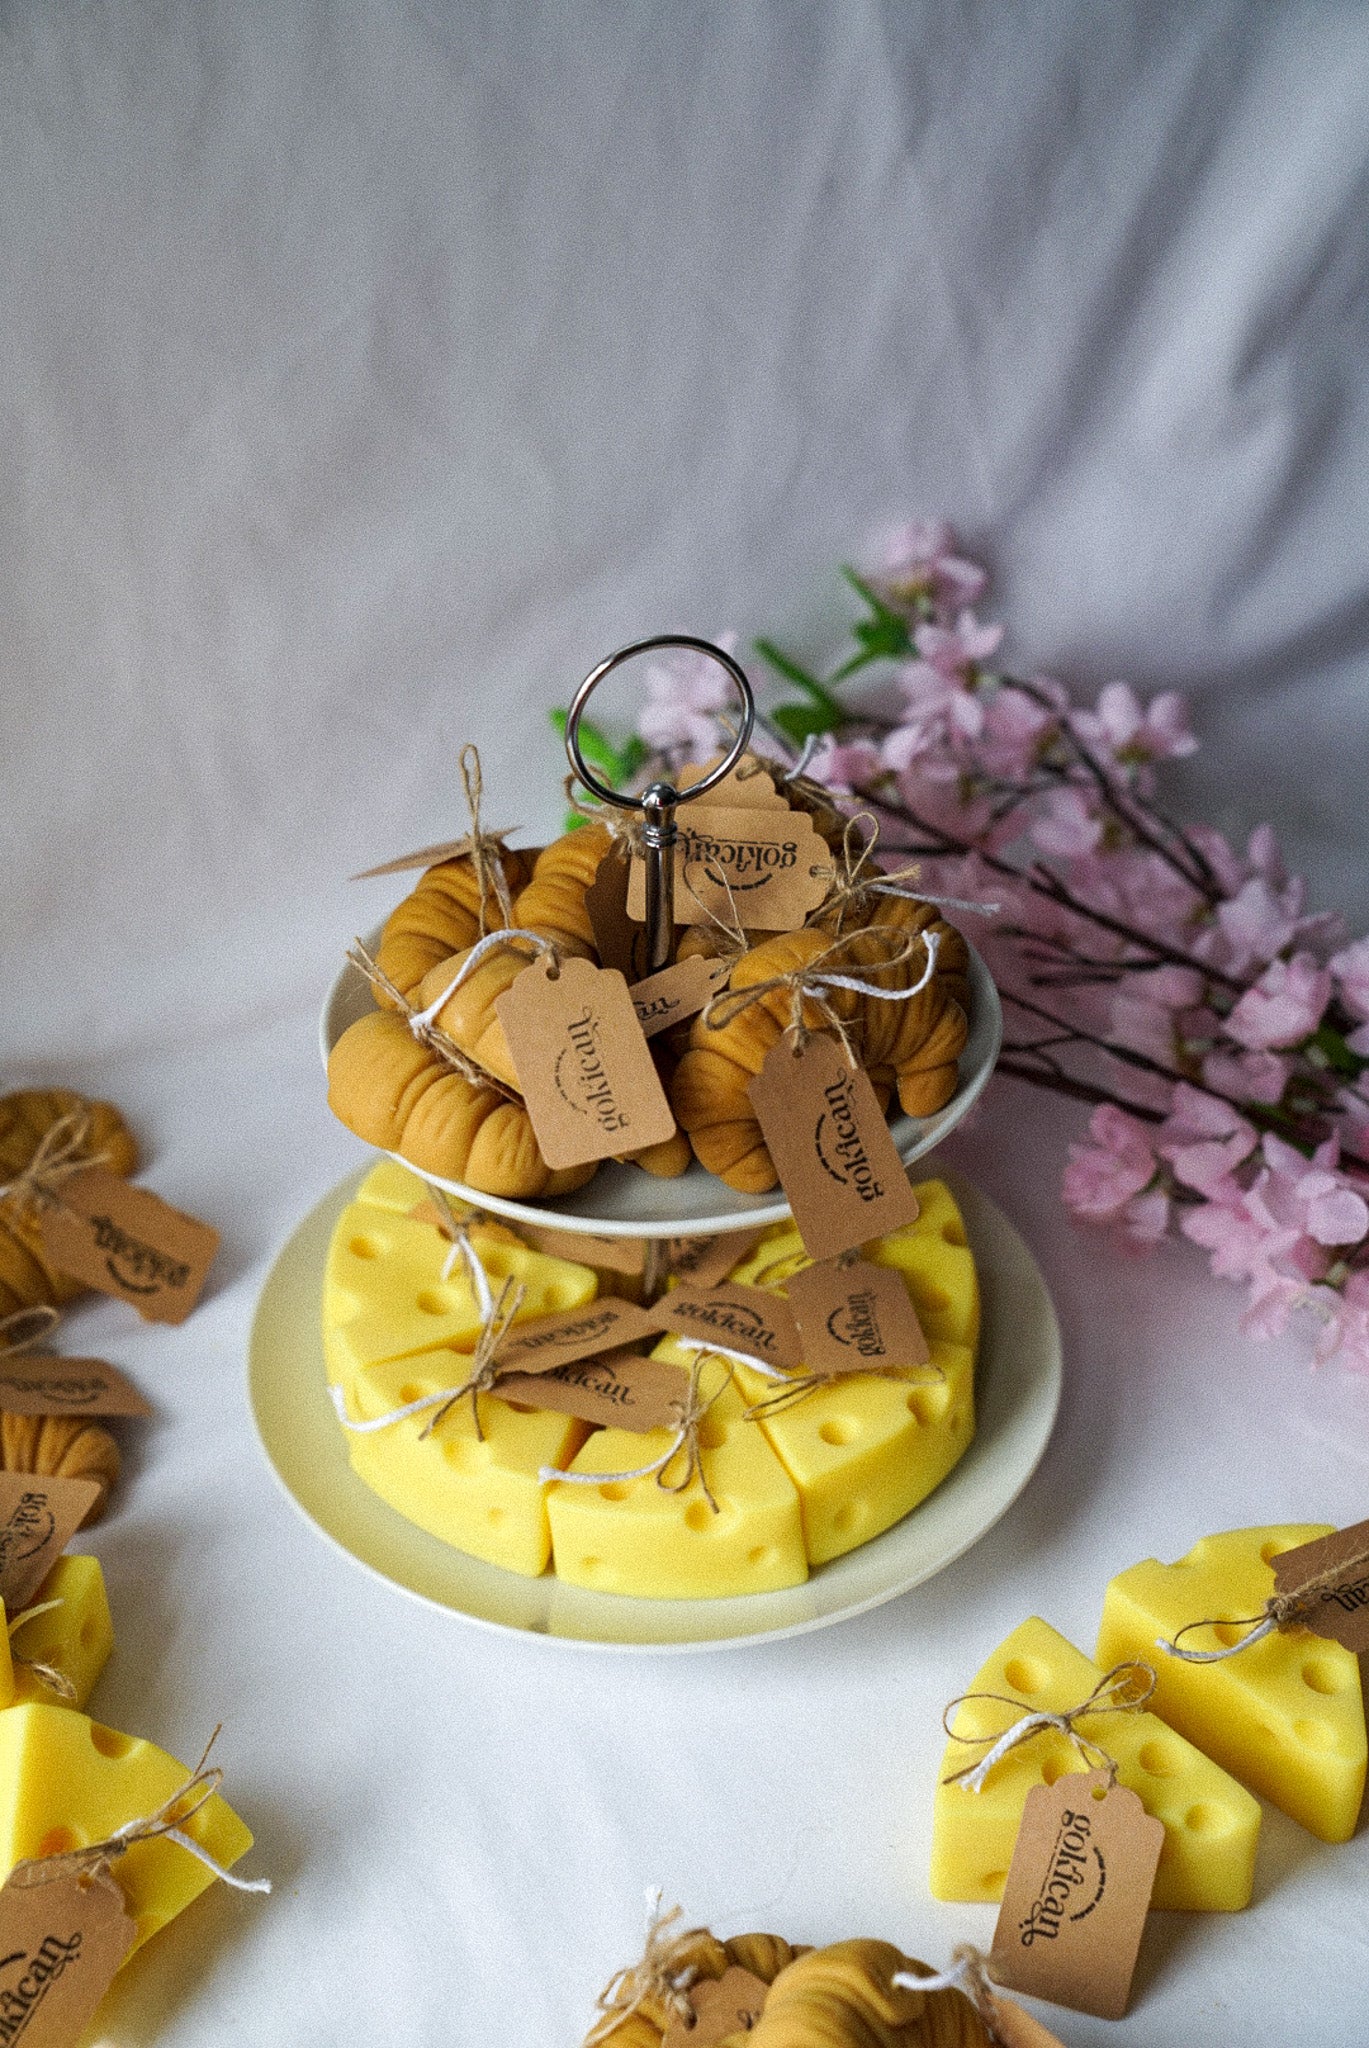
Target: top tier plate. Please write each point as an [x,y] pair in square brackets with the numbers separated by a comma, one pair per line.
[623,1201]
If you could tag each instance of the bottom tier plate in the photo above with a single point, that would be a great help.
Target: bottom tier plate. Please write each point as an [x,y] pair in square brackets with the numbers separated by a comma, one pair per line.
[1017,1391]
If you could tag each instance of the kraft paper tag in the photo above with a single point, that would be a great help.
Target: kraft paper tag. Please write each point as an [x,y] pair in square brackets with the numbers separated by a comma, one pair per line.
[855,1317]
[610,1254]
[748,786]
[428,856]
[738,1318]
[676,992]
[706,1260]
[768,868]
[1014,2027]
[621,1390]
[583,1066]
[42,1385]
[38,1518]
[1341,1612]
[837,1163]
[544,1342]
[1078,1891]
[61,1942]
[128,1242]
[730,2004]
[619,940]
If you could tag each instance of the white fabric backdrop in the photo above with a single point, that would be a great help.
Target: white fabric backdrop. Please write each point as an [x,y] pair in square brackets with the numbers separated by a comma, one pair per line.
[370,371]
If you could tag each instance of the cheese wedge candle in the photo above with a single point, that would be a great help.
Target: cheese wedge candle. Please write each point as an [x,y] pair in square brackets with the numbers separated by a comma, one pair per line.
[637,1537]
[478,1492]
[385,1297]
[931,1253]
[1211,1823]
[66,1782]
[74,1637]
[1285,1716]
[391,1186]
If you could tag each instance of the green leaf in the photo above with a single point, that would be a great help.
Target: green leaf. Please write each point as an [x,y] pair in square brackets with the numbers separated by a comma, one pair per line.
[797,721]
[1337,1054]
[796,673]
[618,764]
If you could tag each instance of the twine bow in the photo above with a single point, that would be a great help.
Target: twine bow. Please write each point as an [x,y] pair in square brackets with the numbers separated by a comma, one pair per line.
[968,1974]
[49,1674]
[60,1152]
[624,828]
[689,1414]
[497,1316]
[485,849]
[1123,1690]
[168,1820]
[1280,1610]
[859,878]
[420,1022]
[663,1976]
[812,982]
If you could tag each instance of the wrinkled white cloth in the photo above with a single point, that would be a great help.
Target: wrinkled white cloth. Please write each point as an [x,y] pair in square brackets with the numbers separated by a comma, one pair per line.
[372,370]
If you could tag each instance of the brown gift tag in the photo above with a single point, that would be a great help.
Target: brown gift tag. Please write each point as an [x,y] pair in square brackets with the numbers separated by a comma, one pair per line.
[1341,1610]
[680,991]
[61,1942]
[751,791]
[40,1385]
[128,1242]
[706,1260]
[736,1317]
[38,1518]
[621,1390]
[1078,1891]
[855,1318]
[619,940]
[729,2004]
[610,1254]
[583,1066]
[837,1163]
[768,868]
[544,1342]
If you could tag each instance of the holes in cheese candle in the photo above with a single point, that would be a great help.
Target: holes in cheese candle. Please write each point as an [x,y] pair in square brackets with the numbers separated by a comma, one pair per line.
[1158,1760]
[1207,1818]
[699,1516]
[88,1631]
[58,1842]
[615,1490]
[1322,1676]
[409,1392]
[761,1554]
[431,1303]
[1276,1548]
[993,1882]
[712,1433]
[1054,1767]
[934,1299]
[953,1231]
[363,1248]
[839,1430]
[1025,1675]
[495,1517]
[1227,1634]
[1313,1734]
[109,1741]
[849,1516]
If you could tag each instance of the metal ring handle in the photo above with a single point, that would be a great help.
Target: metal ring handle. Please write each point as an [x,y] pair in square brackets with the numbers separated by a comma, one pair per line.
[606,668]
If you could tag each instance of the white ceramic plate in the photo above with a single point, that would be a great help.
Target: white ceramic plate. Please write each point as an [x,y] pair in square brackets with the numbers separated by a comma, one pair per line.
[1018,1391]
[622,1201]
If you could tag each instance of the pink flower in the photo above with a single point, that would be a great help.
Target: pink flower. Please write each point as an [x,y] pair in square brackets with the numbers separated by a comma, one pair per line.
[1310,1193]
[1285,1005]
[1204,1141]
[1102,1179]
[1257,923]
[685,692]
[1249,1076]
[847,767]
[1241,1236]
[1345,1317]
[1070,827]
[1273,1298]
[917,567]
[1119,729]
[1018,730]
[956,652]
[1351,969]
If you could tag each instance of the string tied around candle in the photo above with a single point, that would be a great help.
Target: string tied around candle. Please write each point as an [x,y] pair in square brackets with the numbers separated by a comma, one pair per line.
[483,1378]
[49,1675]
[60,1153]
[1123,1690]
[167,1822]
[859,878]
[663,1977]
[26,1327]
[968,1974]
[813,982]
[486,849]
[424,1030]
[1280,1611]
[688,1414]
[624,828]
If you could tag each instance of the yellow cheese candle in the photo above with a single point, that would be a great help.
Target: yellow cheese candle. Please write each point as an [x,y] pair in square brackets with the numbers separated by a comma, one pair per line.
[1285,1716]
[635,1536]
[1211,1824]
[66,1782]
[73,1637]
